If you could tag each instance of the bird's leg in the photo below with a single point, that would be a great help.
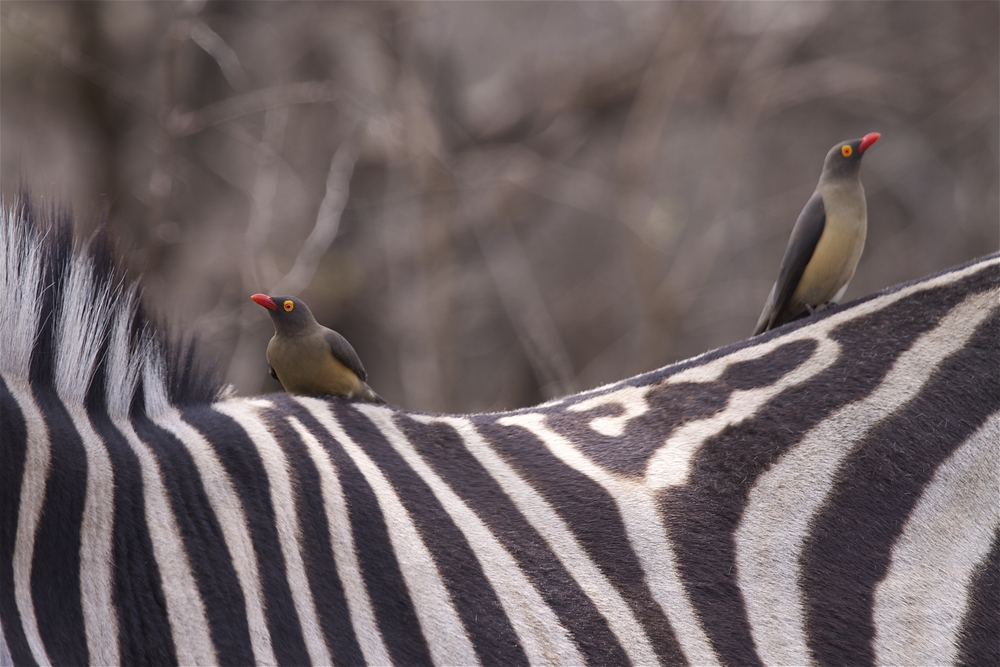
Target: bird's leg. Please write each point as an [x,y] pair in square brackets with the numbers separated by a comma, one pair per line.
[812,310]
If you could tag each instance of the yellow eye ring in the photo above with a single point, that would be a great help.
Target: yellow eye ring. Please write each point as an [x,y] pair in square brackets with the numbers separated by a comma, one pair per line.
[288,305]
[846,150]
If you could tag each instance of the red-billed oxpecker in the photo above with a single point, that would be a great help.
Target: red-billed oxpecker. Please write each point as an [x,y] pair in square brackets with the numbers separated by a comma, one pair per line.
[826,242]
[307,358]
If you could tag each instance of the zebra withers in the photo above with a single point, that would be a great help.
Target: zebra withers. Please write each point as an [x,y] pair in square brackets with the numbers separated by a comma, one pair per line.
[824,493]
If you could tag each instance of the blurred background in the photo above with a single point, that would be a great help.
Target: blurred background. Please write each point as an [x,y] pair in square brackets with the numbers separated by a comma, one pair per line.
[496,203]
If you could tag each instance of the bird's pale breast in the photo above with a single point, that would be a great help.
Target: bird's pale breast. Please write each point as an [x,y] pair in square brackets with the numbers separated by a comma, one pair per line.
[839,248]
[305,365]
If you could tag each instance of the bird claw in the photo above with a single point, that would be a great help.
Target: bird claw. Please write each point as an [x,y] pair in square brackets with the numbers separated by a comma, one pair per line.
[812,310]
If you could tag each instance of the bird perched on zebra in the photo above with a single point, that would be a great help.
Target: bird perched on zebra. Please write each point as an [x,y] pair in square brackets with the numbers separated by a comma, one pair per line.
[826,242]
[308,358]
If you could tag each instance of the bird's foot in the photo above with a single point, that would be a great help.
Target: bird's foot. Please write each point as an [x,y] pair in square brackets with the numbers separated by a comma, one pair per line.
[812,310]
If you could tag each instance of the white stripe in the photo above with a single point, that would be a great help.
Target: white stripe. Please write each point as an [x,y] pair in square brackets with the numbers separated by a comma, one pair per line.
[543,638]
[229,510]
[359,606]
[36,471]
[631,400]
[289,533]
[781,507]
[670,465]
[445,635]
[648,537]
[100,618]
[185,608]
[80,332]
[920,605]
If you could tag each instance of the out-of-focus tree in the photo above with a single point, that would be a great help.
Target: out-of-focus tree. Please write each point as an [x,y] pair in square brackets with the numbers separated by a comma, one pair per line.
[497,203]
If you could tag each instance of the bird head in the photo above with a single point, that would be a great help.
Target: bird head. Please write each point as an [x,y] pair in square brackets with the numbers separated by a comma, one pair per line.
[844,159]
[289,315]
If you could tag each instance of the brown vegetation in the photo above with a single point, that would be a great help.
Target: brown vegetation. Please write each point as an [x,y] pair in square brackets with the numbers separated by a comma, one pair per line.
[497,203]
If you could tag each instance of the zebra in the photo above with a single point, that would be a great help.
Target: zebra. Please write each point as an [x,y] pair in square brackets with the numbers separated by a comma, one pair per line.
[825,493]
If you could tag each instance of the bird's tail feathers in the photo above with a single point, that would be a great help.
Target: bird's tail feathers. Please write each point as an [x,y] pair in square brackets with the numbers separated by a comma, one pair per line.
[767,316]
[371,397]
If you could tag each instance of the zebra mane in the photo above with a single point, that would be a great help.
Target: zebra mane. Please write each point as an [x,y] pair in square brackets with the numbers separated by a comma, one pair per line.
[70,320]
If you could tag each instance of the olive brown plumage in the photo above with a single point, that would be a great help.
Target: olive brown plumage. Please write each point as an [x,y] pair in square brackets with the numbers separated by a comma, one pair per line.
[308,358]
[826,242]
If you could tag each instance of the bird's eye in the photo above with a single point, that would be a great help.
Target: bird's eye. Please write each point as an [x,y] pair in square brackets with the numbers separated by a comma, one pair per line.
[288,305]
[846,150]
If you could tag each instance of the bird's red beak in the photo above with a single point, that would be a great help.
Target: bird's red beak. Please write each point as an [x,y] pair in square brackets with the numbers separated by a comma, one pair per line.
[264,300]
[868,140]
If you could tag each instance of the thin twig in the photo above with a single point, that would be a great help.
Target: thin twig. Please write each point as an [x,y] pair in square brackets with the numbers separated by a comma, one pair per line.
[408,311]
[264,189]
[522,298]
[215,46]
[338,181]
[673,61]
[305,92]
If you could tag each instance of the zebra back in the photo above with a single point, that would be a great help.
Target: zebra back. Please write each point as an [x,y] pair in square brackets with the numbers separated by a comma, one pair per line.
[825,493]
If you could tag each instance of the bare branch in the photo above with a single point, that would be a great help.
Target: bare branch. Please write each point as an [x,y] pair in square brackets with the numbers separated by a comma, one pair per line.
[325,230]
[223,54]
[522,298]
[264,188]
[675,58]
[305,92]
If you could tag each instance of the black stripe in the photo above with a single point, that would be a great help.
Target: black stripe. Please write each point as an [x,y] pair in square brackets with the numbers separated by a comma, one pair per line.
[610,547]
[204,543]
[55,574]
[143,625]
[241,459]
[394,610]
[144,635]
[728,465]
[317,551]
[475,601]
[590,515]
[670,406]
[849,550]
[768,369]
[13,450]
[979,641]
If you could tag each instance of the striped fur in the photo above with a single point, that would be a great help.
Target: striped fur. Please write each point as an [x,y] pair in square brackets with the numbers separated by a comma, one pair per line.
[825,493]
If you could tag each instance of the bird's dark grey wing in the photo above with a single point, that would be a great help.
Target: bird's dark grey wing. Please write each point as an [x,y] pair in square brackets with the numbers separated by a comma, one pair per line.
[801,245]
[344,353]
